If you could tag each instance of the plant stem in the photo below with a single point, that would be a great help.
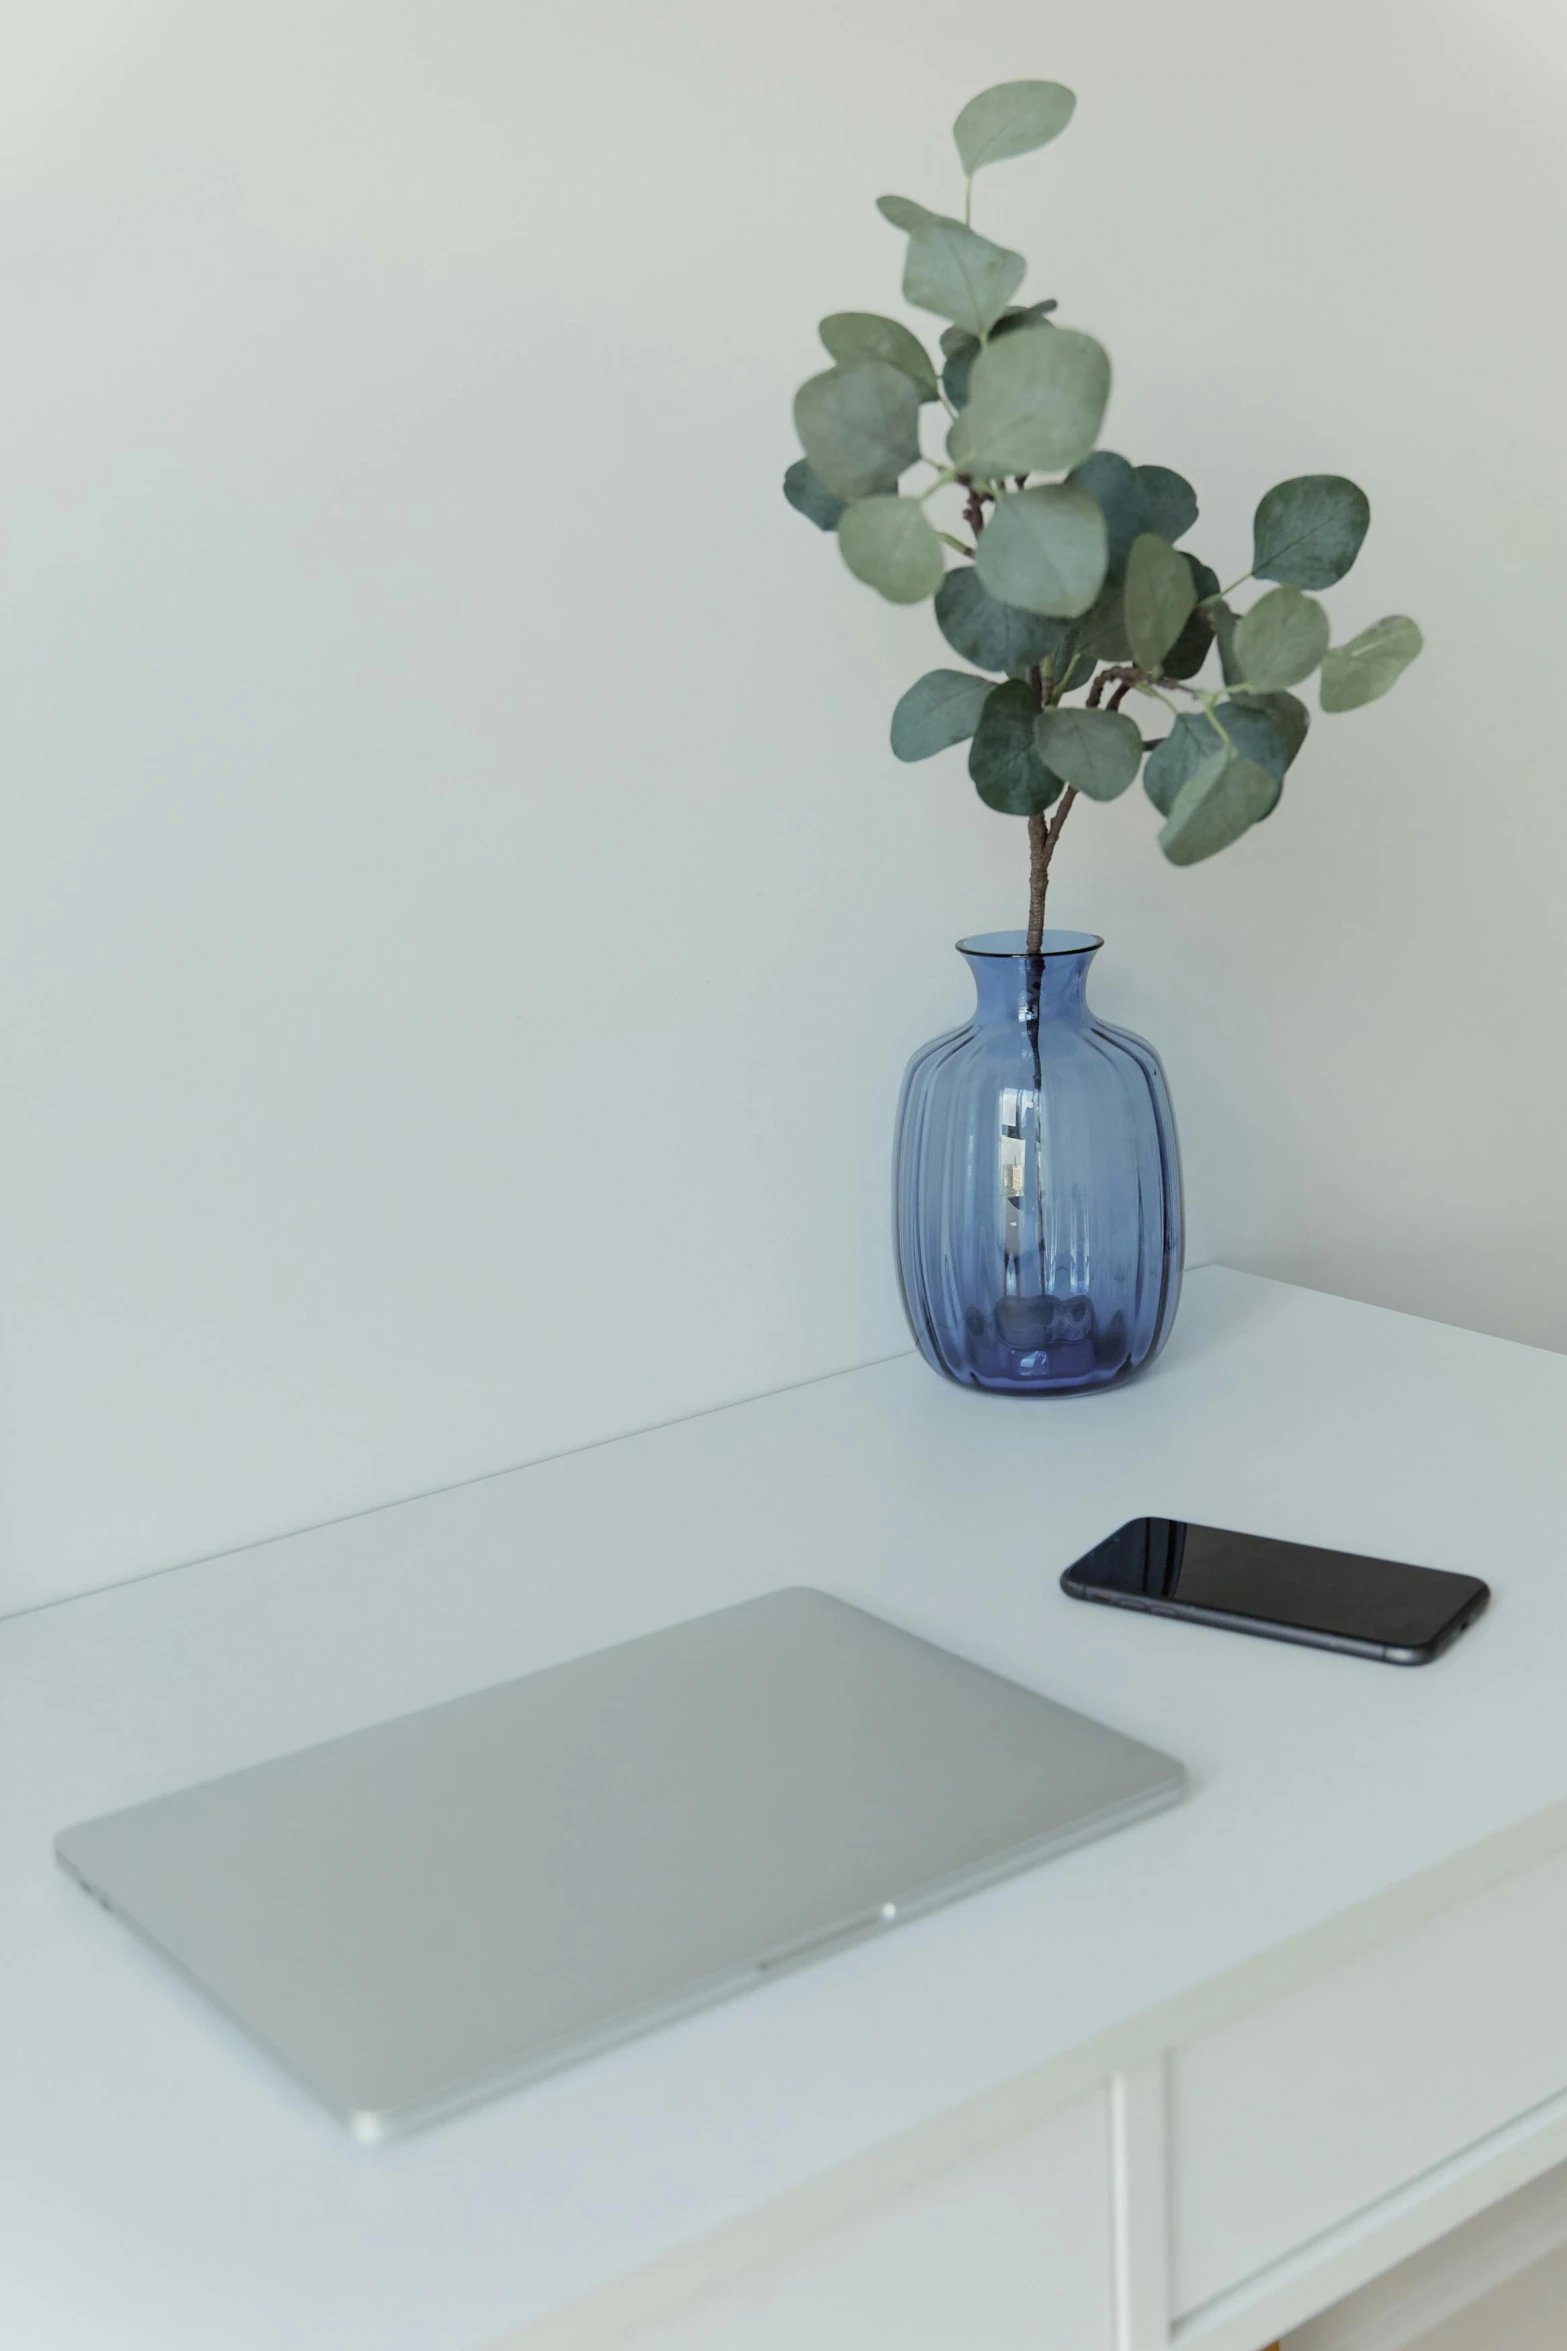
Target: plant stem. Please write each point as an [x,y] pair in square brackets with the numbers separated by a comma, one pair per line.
[1038,879]
[1042,839]
[1143,681]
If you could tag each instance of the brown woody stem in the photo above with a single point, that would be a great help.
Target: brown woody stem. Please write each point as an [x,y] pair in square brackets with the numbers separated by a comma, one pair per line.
[1042,839]
[1038,881]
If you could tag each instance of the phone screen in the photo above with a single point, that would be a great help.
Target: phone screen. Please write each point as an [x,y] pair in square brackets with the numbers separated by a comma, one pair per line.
[1287,1591]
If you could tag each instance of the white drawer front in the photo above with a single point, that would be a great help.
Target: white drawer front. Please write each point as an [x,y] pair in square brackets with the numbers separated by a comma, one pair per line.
[1008,2252]
[1298,2116]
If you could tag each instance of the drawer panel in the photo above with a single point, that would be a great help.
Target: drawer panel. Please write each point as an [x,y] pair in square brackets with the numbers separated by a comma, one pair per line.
[1298,2116]
[1010,2250]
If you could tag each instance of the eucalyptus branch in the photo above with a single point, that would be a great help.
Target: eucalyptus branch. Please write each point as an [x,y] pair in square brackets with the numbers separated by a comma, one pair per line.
[1143,679]
[1032,407]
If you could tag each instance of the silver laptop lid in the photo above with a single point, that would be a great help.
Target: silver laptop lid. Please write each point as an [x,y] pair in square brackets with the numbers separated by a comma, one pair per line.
[424,1914]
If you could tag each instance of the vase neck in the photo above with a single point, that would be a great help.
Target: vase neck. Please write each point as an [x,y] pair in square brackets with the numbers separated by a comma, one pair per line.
[1012,985]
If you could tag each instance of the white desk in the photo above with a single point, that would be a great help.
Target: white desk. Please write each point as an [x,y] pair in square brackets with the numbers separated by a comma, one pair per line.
[1217,2069]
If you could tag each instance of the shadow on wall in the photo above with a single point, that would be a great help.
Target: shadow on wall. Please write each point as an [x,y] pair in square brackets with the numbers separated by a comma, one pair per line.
[1513,1285]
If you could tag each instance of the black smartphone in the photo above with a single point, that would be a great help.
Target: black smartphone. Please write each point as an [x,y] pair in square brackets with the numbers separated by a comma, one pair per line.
[1378,1608]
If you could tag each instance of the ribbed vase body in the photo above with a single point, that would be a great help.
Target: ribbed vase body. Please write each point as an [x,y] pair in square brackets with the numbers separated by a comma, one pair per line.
[1037,1183]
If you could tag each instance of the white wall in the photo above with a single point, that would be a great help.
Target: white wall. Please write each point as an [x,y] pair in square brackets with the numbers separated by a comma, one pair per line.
[462,927]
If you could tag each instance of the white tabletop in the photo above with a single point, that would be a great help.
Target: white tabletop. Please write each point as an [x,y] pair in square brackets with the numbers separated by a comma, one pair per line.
[161,2189]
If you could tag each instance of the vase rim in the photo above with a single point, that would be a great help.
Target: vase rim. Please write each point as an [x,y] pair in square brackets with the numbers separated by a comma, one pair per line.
[1012,946]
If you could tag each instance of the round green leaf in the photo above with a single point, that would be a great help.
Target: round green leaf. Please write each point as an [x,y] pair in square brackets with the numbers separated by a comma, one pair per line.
[960,275]
[1191,648]
[939,709]
[1044,550]
[1307,532]
[1123,501]
[960,349]
[1099,751]
[888,543]
[1189,745]
[1157,598]
[1225,623]
[1101,633]
[1036,400]
[1012,119]
[859,426]
[810,497]
[905,214]
[1369,664]
[1008,773]
[996,636]
[1288,714]
[1219,801]
[1172,502]
[1193,740]
[1281,640]
[861,334]
[961,355]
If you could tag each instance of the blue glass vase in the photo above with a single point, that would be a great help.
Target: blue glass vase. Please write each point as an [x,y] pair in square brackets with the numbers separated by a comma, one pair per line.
[1036,1183]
